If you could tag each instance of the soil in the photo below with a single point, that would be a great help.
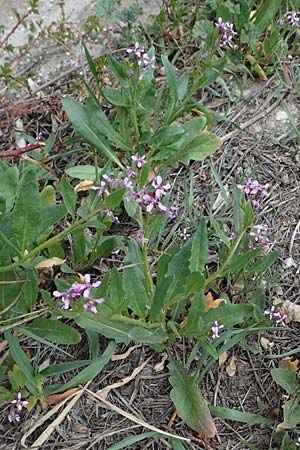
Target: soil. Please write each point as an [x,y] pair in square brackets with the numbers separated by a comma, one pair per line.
[267,149]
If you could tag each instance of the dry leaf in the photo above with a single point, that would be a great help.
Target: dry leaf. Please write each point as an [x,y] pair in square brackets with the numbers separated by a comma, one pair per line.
[124,355]
[266,344]
[222,358]
[55,398]
[231,368]
[287,363]
[103,393]
[50,262]
[84,185]
[291,310]
[210,303]
[161,364]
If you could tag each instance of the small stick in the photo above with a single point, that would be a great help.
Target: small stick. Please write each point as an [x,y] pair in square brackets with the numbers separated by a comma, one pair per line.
[20,151]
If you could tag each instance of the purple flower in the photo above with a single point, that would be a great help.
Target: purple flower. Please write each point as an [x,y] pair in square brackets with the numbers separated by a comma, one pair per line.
[226,32]
[160,190]
[281,22]
[90,304]
[136,50]
[259,234]
[13,416]
[274,313]
[102,188]
[87,285]
[185,235]
[140,161]
[19,403]
[293,18]
[39,136]
[215,330]
[139,236]
[76,291]
[109,213]
[254,191]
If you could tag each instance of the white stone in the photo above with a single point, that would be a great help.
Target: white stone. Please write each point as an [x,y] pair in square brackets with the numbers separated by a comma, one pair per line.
[281,116]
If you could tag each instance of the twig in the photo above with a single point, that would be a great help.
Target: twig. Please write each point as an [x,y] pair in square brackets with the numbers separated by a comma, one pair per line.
[293,238]
[21,151]
[11,32]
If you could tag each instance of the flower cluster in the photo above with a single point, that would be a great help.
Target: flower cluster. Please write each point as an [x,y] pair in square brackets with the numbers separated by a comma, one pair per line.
[226,32]
[152,199]
[144,60]
[215,330]
[16,408]
[254,191]
[78,290]
[259,235]
[274,313]
[291,18]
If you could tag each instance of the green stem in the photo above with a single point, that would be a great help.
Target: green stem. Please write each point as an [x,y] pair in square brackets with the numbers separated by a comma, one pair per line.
[51,241]
[147,272]
[9,244]
[221,269]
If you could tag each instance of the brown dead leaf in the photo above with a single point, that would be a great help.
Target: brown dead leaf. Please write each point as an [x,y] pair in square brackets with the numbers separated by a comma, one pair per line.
[55,398]
[50,262]
[161,364]
[210,303]
[122,356]
[172,419]
[265,343]
[287,363]
[84,185]
[103,393]
[291,310]
[3,345]
[223,358]
[231,368]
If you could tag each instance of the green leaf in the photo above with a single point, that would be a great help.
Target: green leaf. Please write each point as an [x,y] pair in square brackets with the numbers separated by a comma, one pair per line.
[118,71]
[51,215]
[82,124]
[54,331]
[171,77]
[264,262]
[109,244]
[199,253]
[26,215]
[48,196]
[266,13]
[238,416]
[147,336]
[197,150]
[125,443]
[30,288]
[285,378]
[69,196]
[83,172]
[190,405]
[243,261]
[229,315]
[115,97]
[89,372]
[22,361]
[112,329]
[91,63]
[164,291]
[291,414]
[117,293]
[56,369]
[134,280]
[8,185]
[114,199]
